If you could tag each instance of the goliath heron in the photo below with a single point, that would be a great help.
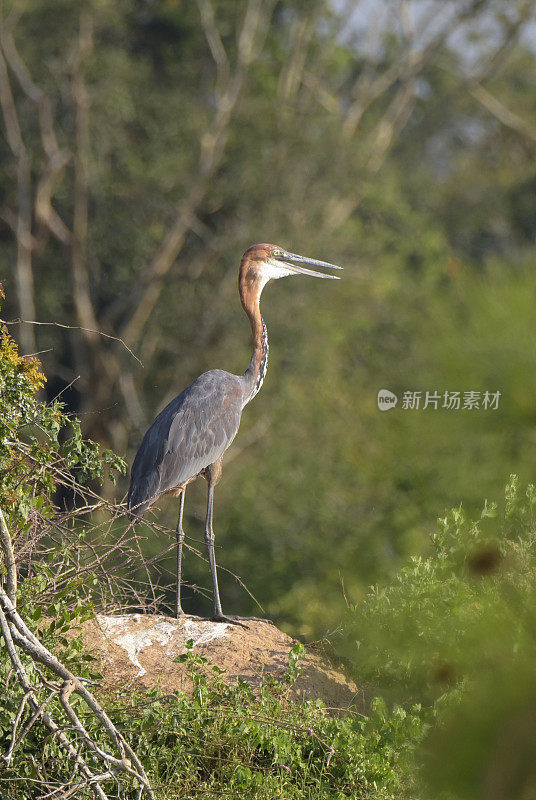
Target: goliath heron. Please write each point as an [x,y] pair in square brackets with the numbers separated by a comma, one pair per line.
[189,437]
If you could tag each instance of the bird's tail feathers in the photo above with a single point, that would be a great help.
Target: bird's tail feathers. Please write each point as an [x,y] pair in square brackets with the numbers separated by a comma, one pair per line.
[138,503]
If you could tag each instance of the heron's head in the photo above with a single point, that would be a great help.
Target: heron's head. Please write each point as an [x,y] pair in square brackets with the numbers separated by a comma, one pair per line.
[265,262]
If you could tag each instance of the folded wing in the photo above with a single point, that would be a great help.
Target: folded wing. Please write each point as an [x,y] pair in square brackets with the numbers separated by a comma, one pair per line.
[192,432]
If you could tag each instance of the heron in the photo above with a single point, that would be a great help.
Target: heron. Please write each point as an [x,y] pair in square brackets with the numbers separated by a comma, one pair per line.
[190,435]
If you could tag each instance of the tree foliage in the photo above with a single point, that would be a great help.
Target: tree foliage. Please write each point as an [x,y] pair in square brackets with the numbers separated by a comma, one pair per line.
[457,630]
[148,144]
[39,442]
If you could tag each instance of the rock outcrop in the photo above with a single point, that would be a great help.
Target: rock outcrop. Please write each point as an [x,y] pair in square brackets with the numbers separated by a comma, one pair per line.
[139,650]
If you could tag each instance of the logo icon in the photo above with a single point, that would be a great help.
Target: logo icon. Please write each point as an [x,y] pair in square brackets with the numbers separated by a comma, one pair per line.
[386,400]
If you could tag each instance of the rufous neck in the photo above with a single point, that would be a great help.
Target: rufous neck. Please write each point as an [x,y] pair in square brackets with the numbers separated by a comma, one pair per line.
[253,377]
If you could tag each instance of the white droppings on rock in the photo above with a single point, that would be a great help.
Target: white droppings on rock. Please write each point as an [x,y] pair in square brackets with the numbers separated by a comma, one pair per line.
[202,632]
[149,645]
[117,629]
[121,630]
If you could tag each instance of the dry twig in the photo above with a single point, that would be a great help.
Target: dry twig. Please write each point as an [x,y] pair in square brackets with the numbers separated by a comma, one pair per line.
[17,636]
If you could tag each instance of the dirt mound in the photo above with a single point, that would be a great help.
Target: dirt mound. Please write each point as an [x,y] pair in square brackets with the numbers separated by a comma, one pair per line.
[139,649]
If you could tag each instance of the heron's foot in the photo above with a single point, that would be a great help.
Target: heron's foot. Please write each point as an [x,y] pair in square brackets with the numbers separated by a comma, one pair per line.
[231,620]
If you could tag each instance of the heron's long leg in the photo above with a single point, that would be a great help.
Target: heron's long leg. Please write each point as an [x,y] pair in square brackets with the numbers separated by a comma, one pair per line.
[180,540]
[209,539]
[212,475]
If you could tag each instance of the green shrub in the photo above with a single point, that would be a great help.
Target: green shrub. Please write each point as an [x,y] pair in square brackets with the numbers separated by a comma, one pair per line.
[43,454]
[457,630]
[229,741]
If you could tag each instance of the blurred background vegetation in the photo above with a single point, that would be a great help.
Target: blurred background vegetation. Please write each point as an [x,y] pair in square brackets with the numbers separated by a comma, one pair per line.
[147,144]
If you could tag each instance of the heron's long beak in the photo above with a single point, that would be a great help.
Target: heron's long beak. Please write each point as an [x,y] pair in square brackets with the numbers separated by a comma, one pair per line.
[291,261]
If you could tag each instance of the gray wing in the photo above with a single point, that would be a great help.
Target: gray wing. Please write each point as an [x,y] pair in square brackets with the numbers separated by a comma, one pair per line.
[191,433]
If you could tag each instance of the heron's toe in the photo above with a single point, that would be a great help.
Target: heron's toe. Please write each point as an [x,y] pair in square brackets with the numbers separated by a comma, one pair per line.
[223,618]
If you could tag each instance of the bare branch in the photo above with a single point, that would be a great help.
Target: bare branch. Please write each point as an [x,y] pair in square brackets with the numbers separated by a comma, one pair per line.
[24,681]
[492,61]
[9,560]
[506,117]
[10,218]
[326,98]
[74,328]
[24,274]
[489,67]
[44,210]
[16,632]
[57,158]
[215,43]
[81,284]
[370,86]
[33,719]
[11,120]
[394,120]
[293,70]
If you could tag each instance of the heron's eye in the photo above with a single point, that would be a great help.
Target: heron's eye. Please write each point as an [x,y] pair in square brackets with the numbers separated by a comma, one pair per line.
[277,253]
